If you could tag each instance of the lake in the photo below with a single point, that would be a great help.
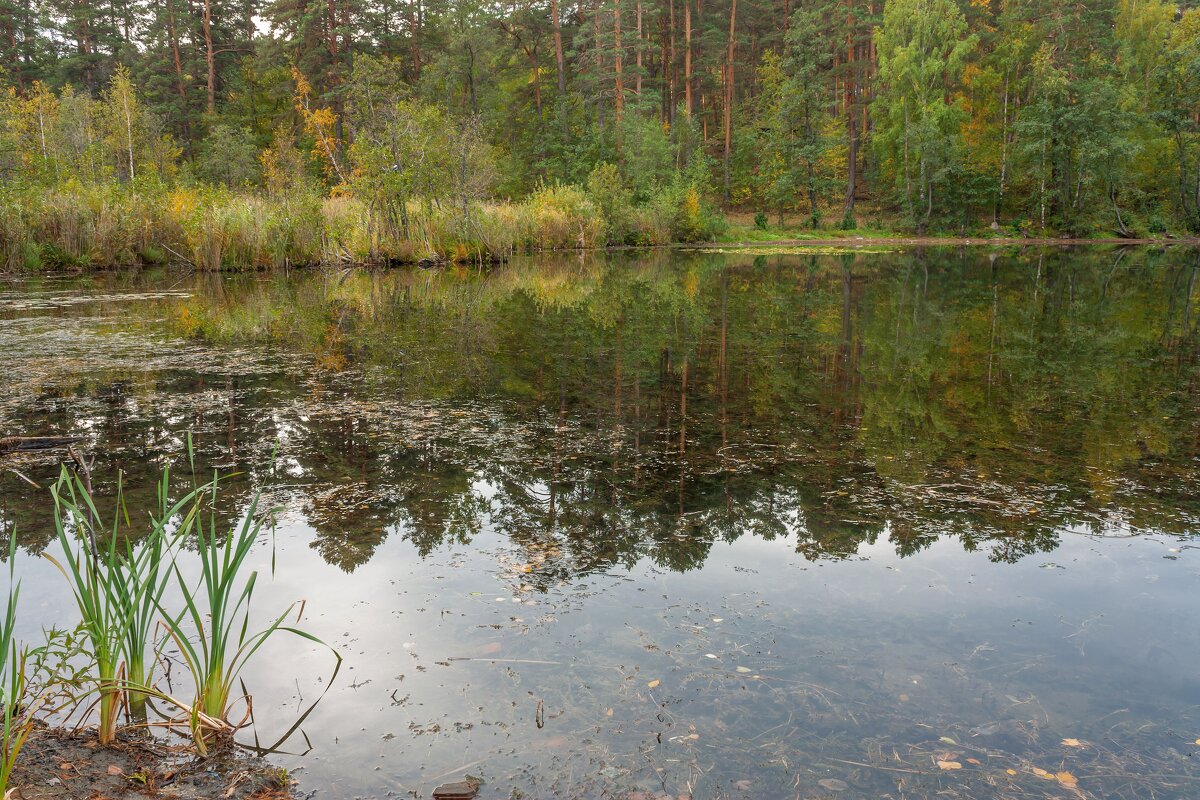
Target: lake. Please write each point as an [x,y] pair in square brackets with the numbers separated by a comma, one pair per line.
[771,523]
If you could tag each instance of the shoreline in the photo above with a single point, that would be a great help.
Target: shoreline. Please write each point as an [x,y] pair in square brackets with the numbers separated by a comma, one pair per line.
[64,764]
[857,242]
[937,241]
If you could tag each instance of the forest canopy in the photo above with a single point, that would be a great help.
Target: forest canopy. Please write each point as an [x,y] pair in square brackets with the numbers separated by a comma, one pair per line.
[642,116]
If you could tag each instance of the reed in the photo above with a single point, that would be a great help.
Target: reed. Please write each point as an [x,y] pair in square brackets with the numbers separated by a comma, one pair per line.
[76,225]
[12,678]
[118,588]
[213,633]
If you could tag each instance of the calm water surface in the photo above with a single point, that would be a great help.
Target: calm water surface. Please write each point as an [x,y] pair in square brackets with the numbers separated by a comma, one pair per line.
[779,525]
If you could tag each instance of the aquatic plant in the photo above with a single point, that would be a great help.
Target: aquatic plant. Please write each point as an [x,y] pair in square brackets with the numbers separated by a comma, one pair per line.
[213,631]
[28,676]
[118,587]
[12,677]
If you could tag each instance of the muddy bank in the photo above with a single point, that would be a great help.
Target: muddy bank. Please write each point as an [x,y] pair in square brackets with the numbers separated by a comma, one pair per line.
[61,765]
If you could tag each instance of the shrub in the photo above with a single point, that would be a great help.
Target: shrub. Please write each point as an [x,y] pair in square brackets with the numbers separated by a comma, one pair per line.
[608,192]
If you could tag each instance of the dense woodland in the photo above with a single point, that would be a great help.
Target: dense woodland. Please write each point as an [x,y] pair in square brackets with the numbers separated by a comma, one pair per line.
[625,121]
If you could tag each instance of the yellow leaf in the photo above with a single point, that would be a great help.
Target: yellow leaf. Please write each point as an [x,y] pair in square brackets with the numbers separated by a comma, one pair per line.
[653,683]
[1198,741]
[974,761]
[947,740]
[1041,773]
[1066,779]
[1011,771]
[1072,743]
[949,765]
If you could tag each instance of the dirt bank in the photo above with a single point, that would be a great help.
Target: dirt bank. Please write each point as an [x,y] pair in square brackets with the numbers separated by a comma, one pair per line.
[61,765]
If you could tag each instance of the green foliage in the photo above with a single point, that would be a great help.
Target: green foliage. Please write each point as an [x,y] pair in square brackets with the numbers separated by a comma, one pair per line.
[923,46]
[1084,118]
[229,156]
[608,192]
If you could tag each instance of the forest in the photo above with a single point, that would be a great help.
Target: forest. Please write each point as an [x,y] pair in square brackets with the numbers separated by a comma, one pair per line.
[252,133]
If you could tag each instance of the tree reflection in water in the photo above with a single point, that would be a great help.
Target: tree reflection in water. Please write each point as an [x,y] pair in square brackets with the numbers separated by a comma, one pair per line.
[606,409]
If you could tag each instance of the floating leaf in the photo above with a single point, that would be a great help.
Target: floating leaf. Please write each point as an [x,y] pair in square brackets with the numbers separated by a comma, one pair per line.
[974,761]
[1066,779]
[652,684]
[709,655]
[833,784]
[947,740]
[949,765]
[1072,743]
[742,786]
[1011,771]
[1041,773]
[743,669]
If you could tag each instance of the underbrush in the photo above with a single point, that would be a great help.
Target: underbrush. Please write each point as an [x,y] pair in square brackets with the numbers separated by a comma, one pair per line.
[78,226]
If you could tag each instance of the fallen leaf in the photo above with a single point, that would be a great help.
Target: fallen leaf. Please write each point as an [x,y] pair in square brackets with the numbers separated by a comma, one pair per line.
[1198,741]
[652,684]
[1072,743]
[833,784]
[608,713]
[709,655]
[693,737]
[974,761]
[1011,771]
[947,740]
[903,698]
[1041,773]
[742,786]
[113,769]
[949,765]
[717,619]
[1066,779]
[743,669]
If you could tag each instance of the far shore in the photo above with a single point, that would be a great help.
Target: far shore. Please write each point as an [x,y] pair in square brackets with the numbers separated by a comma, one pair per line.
[935,241]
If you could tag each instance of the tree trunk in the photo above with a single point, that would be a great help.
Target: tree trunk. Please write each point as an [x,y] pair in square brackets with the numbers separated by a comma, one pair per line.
[210,58]
[174,41]
[638,80]
[671,91]
[558,48]
[851,115]
[687,57]
[619,83]
[729,95]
